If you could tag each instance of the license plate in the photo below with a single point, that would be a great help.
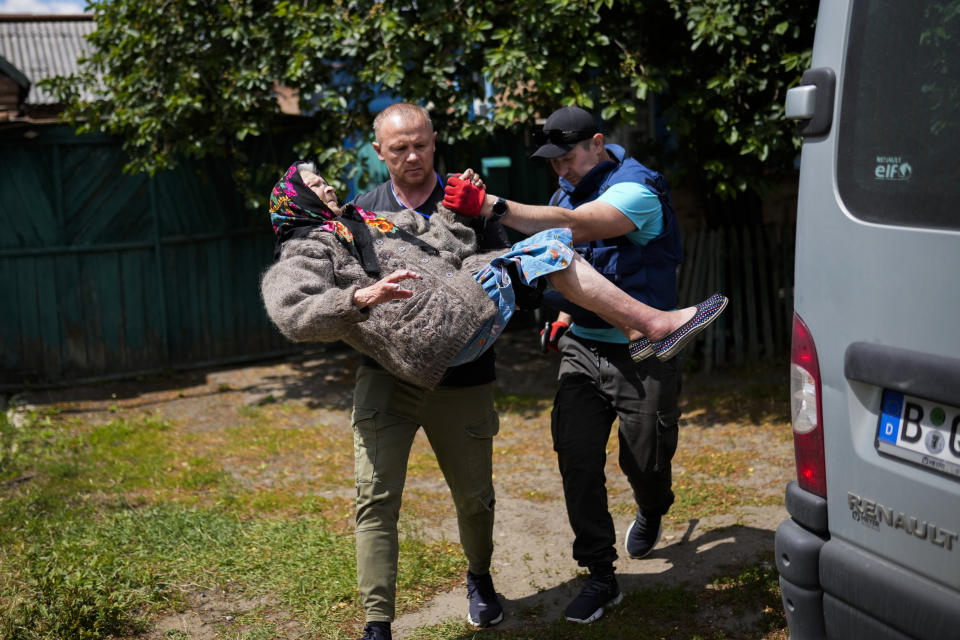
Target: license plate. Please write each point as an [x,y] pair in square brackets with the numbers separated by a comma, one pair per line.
[921,431]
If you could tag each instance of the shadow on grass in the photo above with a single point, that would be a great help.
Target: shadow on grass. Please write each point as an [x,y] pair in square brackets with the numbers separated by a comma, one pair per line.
[754,393]
[723,585]
[320,377]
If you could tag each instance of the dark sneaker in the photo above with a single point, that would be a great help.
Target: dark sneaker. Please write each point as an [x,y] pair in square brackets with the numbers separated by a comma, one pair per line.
[377,631]
[643,535]
[600,591]
[485,609]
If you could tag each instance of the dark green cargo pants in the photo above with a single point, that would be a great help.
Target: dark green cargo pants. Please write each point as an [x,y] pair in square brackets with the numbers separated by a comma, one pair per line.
[460,424]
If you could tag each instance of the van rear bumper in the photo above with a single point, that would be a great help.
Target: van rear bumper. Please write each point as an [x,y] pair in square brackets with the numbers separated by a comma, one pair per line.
[832,589]
[797,546]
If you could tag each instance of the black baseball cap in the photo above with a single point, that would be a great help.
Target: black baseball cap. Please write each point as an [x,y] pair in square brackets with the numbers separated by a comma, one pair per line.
[564,128]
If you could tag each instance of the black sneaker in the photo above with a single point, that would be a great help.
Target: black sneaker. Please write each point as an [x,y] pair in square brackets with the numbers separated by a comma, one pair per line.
[485,609]
[377,631]
[600,591]
[643,535]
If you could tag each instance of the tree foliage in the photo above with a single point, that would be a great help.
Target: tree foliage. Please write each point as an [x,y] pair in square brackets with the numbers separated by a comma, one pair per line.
[728,116]
[191,78]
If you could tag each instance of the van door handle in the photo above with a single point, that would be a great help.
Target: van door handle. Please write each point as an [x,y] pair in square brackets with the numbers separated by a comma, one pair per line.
[915,373]
[801,102]
[811,103]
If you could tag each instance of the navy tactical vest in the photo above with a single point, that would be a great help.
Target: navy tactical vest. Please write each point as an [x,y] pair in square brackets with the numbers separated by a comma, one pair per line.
[648,273]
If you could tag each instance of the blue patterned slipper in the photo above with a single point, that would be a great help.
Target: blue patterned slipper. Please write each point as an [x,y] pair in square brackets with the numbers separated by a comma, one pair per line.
[707,311]
[641,349]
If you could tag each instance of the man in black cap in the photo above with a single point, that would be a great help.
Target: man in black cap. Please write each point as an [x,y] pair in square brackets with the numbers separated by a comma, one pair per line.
[622,222]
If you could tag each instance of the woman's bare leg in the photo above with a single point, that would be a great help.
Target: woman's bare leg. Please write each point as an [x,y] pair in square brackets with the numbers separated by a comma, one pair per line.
[582,285]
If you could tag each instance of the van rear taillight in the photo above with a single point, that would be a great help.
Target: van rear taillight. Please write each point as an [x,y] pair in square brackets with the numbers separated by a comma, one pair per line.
[806,409]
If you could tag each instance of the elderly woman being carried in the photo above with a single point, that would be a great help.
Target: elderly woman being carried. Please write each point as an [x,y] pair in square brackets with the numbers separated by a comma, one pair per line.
[413,293]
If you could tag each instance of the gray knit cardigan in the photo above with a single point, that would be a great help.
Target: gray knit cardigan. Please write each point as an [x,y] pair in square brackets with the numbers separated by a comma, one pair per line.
[308,294]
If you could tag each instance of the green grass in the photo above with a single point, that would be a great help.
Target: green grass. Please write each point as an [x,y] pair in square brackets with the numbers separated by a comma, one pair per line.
[698,499]
[84,577]
[523,404]
[108,524]
[103,525]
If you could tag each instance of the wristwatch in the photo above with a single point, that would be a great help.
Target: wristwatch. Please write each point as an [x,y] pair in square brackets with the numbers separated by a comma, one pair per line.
[499,209]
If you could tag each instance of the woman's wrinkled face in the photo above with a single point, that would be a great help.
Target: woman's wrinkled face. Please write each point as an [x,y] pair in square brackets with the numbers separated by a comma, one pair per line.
[320,187]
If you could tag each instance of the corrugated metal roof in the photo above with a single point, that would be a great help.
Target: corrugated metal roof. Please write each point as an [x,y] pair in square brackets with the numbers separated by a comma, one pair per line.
[43,47]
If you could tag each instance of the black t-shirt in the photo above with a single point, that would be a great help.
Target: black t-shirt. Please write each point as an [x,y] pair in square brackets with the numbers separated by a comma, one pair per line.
[490,236]
[382,199]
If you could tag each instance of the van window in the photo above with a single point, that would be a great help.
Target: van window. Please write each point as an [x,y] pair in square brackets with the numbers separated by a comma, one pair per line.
[898,146]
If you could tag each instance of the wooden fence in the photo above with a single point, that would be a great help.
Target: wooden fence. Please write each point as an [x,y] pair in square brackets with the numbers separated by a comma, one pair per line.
[753,266]
[104,274]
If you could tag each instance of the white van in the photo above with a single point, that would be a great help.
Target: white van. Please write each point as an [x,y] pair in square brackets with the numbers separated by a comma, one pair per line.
[872,548]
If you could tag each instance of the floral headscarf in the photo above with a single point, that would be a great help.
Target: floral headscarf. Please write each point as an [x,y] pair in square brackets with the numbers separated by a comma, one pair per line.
[295,210]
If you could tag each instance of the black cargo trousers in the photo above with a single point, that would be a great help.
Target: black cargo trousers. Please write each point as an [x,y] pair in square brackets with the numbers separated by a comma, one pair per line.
[598,382]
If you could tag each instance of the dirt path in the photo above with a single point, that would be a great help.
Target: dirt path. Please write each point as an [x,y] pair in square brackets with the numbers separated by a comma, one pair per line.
[533,568]
[724,428]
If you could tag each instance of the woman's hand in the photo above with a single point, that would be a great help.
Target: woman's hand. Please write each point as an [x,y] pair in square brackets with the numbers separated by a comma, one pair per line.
[473,178]
[385,289]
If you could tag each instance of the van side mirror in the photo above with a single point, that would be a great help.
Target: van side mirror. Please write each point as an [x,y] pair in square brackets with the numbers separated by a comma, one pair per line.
[811,103]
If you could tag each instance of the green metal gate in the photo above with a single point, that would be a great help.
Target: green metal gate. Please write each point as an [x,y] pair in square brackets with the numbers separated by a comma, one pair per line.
[106,274]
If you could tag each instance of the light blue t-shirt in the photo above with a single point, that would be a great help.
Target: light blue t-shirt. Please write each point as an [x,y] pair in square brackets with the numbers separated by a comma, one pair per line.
[642,206]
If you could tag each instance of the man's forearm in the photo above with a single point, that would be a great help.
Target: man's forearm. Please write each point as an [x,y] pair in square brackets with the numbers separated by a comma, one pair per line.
[594,220]
[529,219]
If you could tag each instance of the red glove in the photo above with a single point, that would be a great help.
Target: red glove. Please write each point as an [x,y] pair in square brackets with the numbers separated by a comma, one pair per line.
[550,335]
[464,198]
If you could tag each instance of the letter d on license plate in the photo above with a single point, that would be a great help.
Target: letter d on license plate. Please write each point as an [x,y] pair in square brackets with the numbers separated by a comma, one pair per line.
[920,431]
